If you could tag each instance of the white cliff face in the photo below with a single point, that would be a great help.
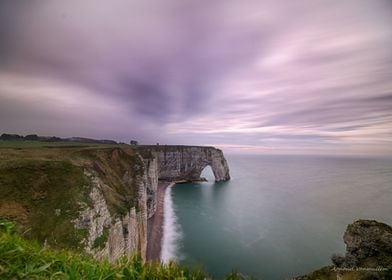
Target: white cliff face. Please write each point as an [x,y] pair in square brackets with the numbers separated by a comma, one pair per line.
[219,166]
[105,233]
[112,237]
[187,162]
[96,219]
[151,174]
[141,218]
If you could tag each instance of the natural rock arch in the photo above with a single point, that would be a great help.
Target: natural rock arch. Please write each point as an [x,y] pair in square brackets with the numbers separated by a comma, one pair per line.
[177,163]
[207,173]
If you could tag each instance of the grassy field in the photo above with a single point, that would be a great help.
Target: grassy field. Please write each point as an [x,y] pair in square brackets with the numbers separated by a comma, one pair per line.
[23,144]
[15,144]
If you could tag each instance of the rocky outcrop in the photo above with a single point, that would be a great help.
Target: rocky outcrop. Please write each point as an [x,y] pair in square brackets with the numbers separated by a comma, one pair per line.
[368,254]
[178,163]
[366,242]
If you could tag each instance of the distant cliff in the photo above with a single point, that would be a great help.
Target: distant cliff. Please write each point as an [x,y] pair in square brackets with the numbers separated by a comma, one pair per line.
[95,199]
[178,163]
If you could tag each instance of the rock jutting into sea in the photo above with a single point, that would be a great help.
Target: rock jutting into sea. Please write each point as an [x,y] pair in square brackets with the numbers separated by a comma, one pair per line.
[368,254]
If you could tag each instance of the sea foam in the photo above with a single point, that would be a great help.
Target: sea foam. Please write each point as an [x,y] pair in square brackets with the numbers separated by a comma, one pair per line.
[171,229]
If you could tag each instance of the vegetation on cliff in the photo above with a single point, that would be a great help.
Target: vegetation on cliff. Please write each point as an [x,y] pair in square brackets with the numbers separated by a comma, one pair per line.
[44,186]
[42,197]
[26,259]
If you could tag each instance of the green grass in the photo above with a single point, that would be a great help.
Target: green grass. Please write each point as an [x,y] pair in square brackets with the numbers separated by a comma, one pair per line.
[44,197]
[22,144]
[26,259]
[26,144]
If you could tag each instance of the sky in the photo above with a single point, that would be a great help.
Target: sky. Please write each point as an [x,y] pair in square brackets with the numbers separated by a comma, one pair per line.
[285,77]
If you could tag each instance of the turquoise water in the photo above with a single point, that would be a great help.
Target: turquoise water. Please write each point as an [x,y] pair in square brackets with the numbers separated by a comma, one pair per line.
[279,216]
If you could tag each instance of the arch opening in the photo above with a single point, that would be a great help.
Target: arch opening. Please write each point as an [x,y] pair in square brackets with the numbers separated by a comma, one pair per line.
[207,174]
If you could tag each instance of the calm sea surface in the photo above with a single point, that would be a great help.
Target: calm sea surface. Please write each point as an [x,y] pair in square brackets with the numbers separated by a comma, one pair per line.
[279,216]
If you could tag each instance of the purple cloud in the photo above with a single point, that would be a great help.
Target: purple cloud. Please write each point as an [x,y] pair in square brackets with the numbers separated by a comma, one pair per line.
[298,76]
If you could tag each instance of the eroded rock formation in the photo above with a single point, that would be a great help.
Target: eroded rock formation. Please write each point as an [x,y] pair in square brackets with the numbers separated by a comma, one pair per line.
[368,242]
[187,162]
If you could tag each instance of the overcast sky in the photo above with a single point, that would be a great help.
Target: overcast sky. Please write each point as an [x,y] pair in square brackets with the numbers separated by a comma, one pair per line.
[310,77]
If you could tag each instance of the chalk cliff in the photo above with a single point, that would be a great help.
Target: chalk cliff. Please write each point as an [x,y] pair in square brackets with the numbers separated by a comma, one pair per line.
[151,167]
[121,230]
[177,163]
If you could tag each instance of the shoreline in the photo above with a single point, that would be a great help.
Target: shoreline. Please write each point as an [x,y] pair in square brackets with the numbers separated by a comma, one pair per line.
[155,225]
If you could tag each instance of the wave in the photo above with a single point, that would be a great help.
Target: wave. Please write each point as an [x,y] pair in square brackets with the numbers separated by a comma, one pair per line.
[171,229]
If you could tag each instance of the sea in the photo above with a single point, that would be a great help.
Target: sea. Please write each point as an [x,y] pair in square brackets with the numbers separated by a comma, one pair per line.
[278,217]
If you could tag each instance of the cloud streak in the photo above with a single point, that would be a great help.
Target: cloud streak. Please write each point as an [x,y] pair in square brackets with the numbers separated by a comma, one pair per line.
[299,77]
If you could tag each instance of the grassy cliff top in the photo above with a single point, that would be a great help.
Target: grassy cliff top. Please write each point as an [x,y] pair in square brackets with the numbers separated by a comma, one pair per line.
[44,185]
